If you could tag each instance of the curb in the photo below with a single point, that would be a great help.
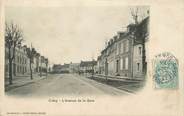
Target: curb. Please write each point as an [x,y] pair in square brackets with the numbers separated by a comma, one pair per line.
[118,79]
[115,88]
[124,89]
[17,86]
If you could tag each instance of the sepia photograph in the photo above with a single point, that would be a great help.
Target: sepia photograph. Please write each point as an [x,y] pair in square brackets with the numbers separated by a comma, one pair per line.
[91,58]
[75,50]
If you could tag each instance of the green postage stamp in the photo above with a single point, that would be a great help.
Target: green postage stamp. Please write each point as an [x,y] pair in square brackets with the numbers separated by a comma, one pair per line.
[165,67]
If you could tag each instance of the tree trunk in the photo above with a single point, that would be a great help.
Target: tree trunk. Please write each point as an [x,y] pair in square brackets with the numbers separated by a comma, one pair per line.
[30,70]
[10,72]
[40,71]
[14,67]
[46,70]
[10,66]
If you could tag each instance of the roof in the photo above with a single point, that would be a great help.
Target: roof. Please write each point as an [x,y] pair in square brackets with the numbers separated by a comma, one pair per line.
[65,66]
[88,63]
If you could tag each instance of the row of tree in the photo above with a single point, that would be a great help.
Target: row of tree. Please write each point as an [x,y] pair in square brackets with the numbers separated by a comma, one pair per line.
[14,39]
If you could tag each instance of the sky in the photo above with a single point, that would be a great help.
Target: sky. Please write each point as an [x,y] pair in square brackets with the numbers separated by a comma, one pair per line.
[67,34]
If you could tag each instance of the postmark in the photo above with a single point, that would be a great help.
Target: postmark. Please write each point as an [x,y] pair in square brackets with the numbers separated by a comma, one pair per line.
[165,66]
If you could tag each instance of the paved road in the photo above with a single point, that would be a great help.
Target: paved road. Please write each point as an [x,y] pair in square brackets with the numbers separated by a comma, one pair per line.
[65,84]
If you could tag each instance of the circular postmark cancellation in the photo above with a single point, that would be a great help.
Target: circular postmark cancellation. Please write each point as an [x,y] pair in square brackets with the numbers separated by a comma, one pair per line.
[165,71]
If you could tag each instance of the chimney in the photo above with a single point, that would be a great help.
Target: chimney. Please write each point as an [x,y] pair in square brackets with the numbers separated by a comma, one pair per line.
[108,43]
[111,41]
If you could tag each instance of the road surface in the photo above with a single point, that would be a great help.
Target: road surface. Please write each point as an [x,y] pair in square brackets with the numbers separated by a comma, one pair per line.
[65,84]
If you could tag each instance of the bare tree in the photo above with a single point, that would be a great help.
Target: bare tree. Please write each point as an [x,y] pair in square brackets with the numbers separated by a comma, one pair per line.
[13,38]
[134,13]
[138,14]
[31,52]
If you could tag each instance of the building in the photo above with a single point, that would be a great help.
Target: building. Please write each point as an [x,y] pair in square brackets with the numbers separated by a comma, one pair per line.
[37,57]
[43,65]
[125,54]
[87,66]
[115,59]
[65,68]
[58,68]
[140,47]
[21,62]
[74,67]
[123,57]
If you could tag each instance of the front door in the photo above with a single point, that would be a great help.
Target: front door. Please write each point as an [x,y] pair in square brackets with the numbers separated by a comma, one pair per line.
[117,66]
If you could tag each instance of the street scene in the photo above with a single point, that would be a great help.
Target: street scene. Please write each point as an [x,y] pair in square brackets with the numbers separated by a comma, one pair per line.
[76,51]
[65,84]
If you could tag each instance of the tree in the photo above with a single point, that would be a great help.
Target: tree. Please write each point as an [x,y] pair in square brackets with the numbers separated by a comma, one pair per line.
[139,13]
[134,13]
[13,39]
[31,52]
[46,63]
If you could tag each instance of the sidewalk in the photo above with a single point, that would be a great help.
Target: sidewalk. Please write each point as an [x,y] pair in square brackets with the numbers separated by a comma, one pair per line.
[19,81]
[119,78]
[131,85]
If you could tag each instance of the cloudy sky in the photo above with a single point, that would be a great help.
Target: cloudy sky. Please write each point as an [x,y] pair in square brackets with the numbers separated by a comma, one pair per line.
[69,34]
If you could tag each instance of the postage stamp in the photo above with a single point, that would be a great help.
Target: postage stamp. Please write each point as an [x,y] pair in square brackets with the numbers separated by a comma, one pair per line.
[165,66]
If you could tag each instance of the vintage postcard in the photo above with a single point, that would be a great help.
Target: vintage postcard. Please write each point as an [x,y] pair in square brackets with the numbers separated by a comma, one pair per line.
[91,58]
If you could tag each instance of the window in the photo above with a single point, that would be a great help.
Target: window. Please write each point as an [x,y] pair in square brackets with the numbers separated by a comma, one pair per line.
[119,48]
[138,66]
[122,47]
[126,63]
[121,64]
[6,68]
[17,59]
[140,50]
[18,69]
[126,46]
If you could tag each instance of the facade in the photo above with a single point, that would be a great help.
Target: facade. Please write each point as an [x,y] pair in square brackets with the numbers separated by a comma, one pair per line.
[37,57]
[140,48]
[74,67]
[65,68]
[58,68]
[123,57]
[137,71]
[115,59]
[87,66]
[125,54]
[21,62]
[43,64]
